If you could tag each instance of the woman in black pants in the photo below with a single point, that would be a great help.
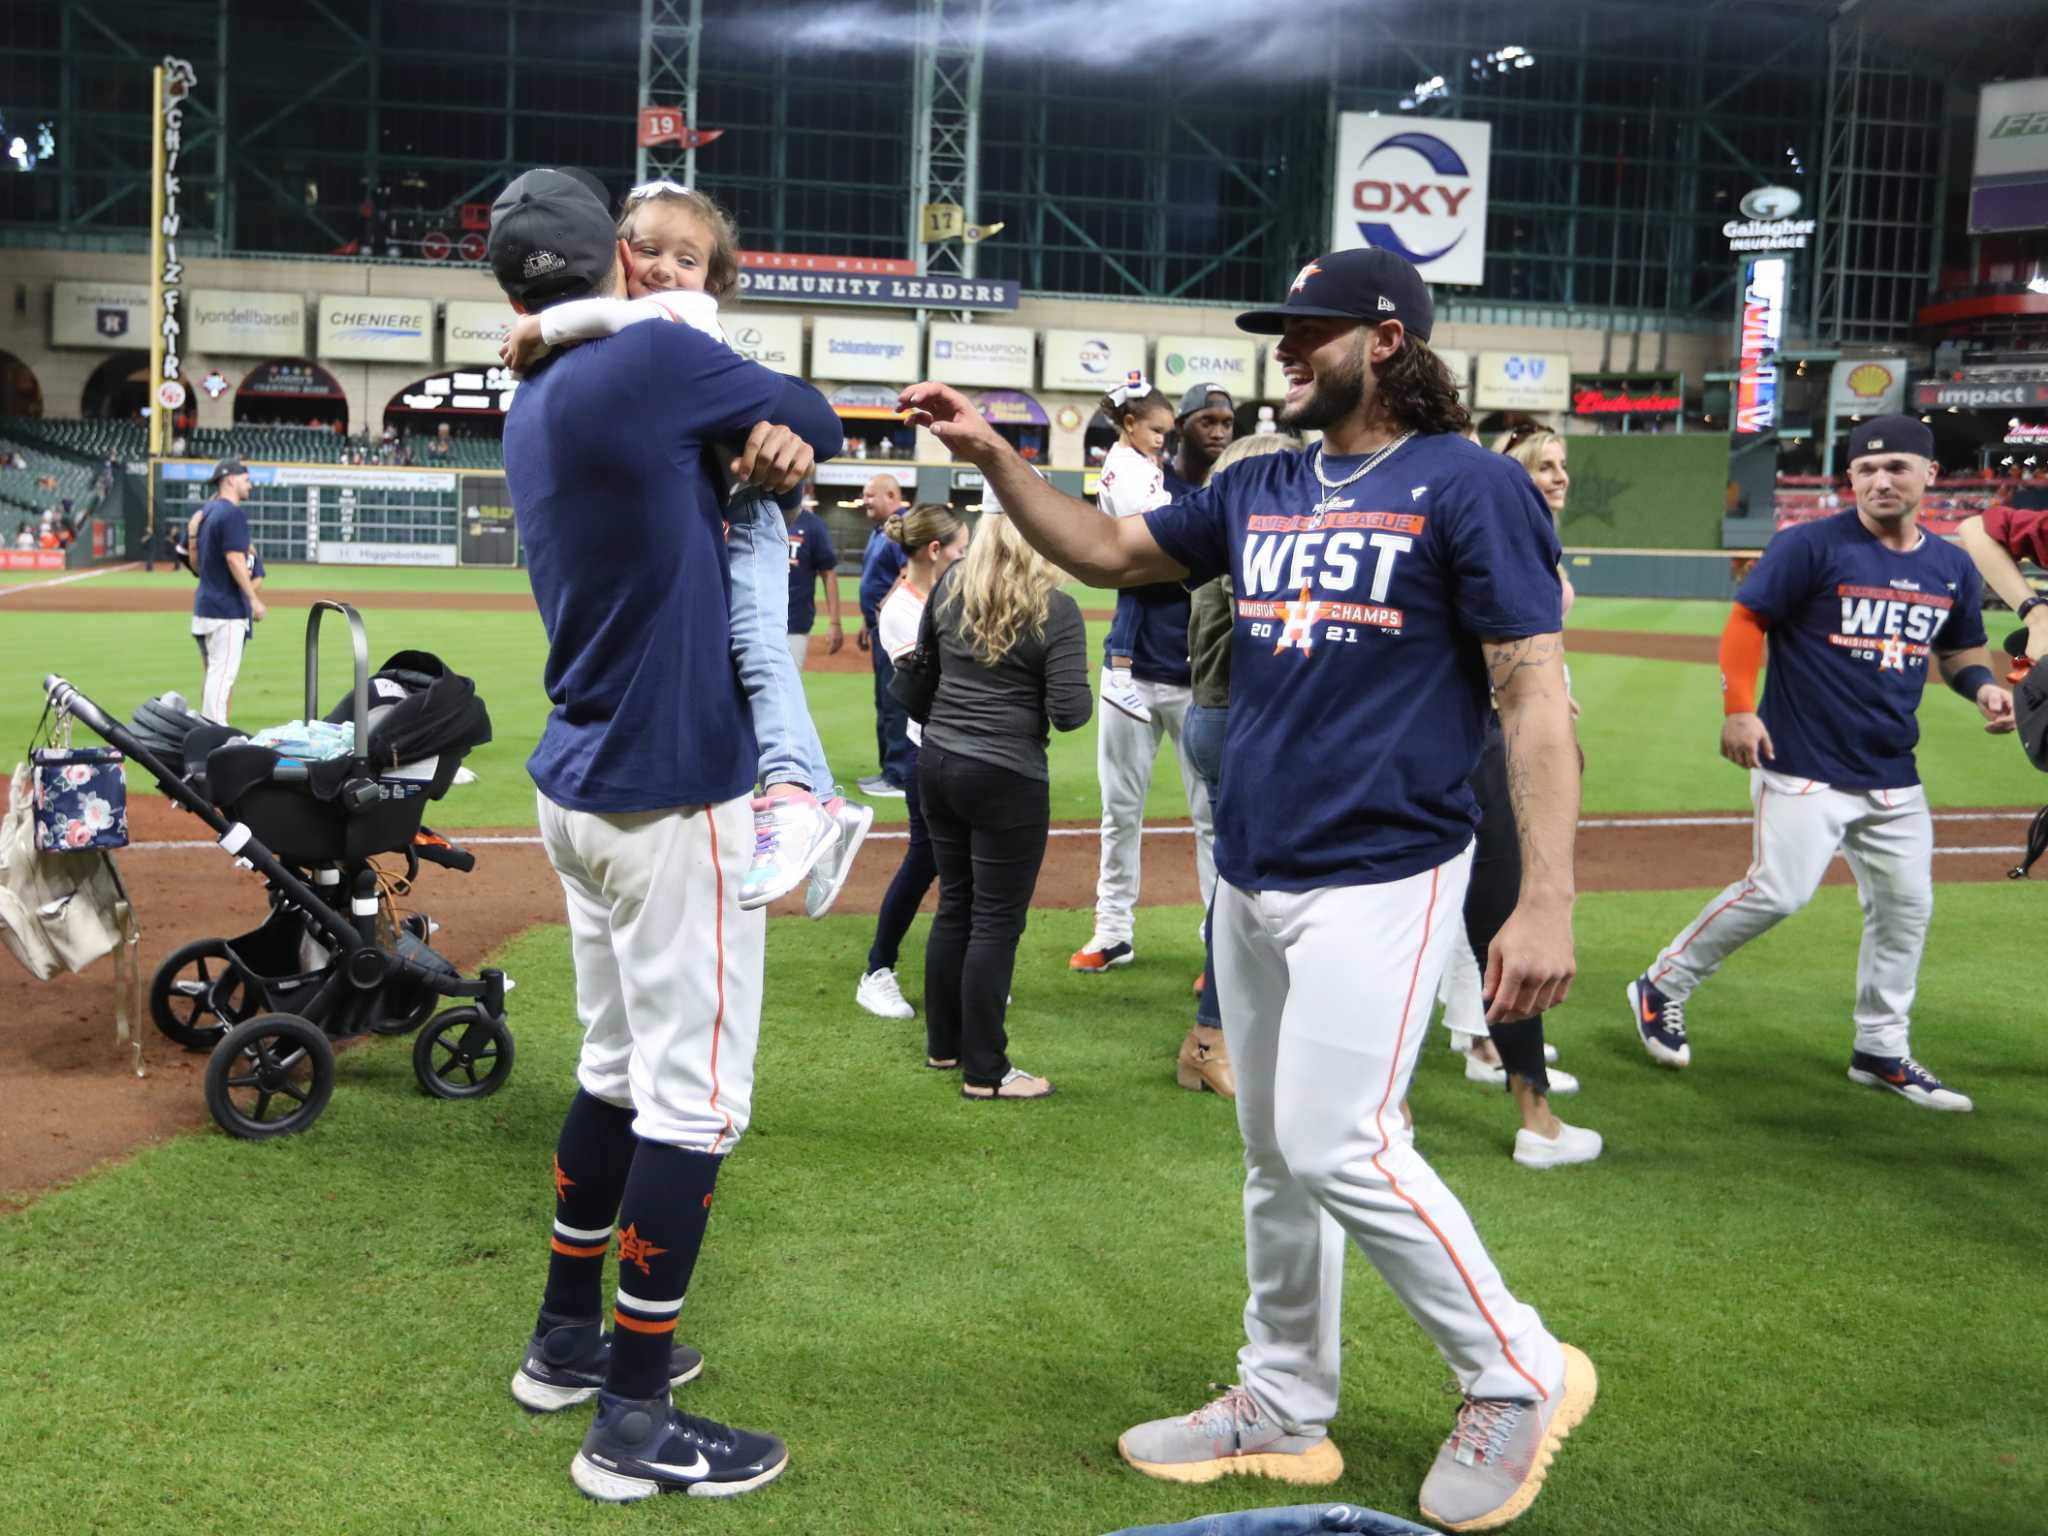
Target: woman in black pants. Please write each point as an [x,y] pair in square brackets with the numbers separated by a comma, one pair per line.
[933,538]
[1013,662]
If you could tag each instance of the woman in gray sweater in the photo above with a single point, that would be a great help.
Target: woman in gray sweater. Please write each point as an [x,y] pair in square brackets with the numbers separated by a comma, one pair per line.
[1013,664]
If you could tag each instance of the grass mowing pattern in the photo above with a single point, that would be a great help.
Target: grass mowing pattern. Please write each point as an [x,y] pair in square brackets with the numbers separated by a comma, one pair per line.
[1808,1301]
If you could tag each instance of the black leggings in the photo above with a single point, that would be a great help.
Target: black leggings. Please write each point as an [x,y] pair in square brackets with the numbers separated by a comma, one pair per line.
[913,877]
[1494,889]
[988,826]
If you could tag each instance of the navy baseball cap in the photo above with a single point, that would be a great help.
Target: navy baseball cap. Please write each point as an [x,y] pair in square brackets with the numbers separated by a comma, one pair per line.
[1365,285]
[551,237]
[1891,434]
[228,466]
[1200,397]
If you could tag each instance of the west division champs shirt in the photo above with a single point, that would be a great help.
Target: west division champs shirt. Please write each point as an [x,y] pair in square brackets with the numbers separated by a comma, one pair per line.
[625,545]
[1358,694]
[1852,627]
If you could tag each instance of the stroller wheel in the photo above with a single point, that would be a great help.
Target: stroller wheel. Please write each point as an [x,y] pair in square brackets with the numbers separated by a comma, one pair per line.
[271,1076]
[198,994]
[463,1054]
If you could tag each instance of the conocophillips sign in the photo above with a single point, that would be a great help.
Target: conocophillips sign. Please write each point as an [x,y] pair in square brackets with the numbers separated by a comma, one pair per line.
[1767,223]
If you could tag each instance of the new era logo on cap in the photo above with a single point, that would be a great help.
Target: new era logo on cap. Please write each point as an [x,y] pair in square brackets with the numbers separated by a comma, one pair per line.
[1386,304]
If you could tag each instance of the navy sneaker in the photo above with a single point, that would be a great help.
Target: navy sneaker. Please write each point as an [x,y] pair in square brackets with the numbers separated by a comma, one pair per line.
[565,1365]
[1660,1024]
[1909,1080]
[638,1447]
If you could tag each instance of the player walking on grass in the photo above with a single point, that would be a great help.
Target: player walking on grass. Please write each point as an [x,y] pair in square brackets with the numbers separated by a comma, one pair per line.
[1382,582]
[1854,607]
[644,771]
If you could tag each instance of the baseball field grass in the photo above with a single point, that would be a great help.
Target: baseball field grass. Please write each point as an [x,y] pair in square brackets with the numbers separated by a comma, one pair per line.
[1809,1302]
[1649,728]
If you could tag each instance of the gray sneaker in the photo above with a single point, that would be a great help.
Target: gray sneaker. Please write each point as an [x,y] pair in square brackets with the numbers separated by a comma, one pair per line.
[1231,1437]
[1492,1467]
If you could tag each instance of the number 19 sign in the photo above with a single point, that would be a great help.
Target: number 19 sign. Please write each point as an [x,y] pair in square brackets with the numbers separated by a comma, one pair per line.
[665,125]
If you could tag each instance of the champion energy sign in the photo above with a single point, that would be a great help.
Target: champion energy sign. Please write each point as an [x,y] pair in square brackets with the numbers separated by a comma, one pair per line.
[1763,328]
[1417,189]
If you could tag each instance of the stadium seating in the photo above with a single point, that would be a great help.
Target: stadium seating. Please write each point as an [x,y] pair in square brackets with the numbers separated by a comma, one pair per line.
[48,480]
[466,453]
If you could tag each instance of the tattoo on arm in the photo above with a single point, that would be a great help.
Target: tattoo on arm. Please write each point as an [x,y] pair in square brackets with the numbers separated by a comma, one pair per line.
[1508,659]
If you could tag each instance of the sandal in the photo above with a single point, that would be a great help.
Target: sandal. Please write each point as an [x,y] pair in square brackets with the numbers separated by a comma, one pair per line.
[943,1066]
[1016,1084]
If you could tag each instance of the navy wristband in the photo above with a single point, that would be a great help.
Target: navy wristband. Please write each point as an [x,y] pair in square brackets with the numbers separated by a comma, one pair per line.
[1970,681]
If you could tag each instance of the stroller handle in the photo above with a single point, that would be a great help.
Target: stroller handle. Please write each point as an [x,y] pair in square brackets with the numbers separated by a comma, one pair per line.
[63,695]
[359,642]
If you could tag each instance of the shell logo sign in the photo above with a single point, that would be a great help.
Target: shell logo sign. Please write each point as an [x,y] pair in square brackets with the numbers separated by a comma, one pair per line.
[1869,381]
[1868,386]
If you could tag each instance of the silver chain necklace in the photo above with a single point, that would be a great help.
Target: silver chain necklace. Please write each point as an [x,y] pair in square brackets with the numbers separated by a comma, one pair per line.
[1332,487]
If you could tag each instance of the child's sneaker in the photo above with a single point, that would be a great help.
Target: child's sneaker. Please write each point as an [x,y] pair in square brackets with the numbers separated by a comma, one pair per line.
[791,833]
[1120,692]
[829,878]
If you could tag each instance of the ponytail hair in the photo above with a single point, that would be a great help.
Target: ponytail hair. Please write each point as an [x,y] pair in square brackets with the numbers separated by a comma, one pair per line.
[1135,396]
[926,523]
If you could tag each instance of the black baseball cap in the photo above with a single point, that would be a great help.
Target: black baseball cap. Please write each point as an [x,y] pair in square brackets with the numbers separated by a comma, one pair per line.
[551,237]
[1892,434]
[227,466]
[1200,397]
[1367,285]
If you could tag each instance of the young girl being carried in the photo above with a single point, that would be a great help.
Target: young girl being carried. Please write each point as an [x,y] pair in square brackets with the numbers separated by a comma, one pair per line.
[680,255]
[1132,483]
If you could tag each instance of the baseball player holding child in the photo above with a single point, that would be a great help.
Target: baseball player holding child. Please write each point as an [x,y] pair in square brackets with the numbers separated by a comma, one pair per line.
[1856,609]
[1383,581]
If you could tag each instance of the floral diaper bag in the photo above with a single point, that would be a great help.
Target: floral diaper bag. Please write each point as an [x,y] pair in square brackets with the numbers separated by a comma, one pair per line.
[81,799]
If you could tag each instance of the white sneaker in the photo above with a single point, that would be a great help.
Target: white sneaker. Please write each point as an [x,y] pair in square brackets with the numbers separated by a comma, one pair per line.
[881,996]
[1573,1144]
[791,834]
[1120,692]
[1477,1071]
[828,879]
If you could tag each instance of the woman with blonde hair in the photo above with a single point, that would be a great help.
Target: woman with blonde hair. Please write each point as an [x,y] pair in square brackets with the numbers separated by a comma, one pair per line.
[1012,657]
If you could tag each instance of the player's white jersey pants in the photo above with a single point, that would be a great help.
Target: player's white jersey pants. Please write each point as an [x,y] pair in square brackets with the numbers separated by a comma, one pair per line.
[1124,753]
[668,968]
[220,645]
[1888,837]
[1324,1032]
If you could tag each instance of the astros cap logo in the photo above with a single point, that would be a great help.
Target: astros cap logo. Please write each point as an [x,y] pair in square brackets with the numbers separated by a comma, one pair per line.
[1301,278]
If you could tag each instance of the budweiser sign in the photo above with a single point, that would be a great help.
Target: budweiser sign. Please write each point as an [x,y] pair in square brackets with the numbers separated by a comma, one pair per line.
[1659,399]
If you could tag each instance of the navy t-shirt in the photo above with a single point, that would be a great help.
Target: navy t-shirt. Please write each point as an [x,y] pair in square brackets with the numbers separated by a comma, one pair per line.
[1358,693]
[223,529]
[1852,626]
[625,546]
[810,551]
[880,564]
[1151,622]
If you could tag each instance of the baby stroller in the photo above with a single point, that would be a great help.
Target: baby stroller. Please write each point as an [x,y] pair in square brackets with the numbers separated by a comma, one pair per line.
[332,960]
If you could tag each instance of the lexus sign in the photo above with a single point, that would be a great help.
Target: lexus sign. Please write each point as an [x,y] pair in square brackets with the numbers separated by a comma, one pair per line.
[1416,188]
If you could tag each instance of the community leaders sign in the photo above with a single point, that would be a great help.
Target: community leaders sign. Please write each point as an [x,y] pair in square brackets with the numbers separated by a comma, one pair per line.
[376,330]
[879,351]
[885,289]
[980,354]
[227,322]
[1090,361]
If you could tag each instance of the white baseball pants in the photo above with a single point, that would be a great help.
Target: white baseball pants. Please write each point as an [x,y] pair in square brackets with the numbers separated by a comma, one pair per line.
[1463,994]
[1324,1032]
[800,649]
[220,643]
[668,968]
[1888,837]
[1125,750]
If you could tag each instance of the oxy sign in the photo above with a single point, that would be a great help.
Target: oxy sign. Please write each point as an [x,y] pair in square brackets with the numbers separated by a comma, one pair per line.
[1416,187]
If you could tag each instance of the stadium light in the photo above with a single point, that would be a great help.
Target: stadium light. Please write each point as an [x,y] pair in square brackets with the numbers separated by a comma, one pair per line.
[2037,285]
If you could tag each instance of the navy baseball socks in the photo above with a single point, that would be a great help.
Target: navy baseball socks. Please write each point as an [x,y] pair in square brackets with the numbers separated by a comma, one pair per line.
[639,1445]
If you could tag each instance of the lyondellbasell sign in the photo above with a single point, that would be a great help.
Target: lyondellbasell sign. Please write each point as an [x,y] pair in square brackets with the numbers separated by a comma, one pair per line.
[1767,222]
